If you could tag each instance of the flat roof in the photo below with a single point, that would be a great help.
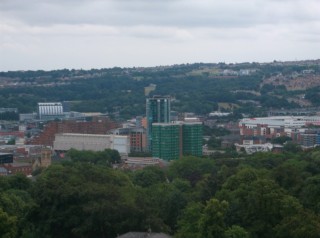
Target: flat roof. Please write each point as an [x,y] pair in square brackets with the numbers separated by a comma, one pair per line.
[5,154]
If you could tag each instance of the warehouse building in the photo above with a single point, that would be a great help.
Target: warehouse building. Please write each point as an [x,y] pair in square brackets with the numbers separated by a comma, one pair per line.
[67,141]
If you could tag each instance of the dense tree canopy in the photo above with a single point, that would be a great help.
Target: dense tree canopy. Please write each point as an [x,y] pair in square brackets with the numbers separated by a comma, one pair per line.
[260,195]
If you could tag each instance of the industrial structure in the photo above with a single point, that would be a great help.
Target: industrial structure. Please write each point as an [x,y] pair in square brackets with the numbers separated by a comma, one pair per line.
[50,110]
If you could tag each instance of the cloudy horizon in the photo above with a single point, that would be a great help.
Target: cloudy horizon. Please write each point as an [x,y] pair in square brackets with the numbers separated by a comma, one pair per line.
[47,34]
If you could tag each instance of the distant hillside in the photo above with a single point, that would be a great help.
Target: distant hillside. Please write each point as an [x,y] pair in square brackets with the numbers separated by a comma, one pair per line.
[252,87]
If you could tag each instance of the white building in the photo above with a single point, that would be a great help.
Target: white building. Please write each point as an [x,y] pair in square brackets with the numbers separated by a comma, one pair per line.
[94,142]
[219,114]
[251,148]
[280,121]
[50,110]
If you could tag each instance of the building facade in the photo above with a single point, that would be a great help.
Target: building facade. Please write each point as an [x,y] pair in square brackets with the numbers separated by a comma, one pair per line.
[171,141]
[98,125]
[166,141]
[6,158]
[138,141]
[67,141]
[192,134]
[157,111]
[302,130]
[50,110]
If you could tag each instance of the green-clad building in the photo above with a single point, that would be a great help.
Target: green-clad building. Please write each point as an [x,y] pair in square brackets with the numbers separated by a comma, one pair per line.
[171,141]
[157,111]
[166,141]
[192,135]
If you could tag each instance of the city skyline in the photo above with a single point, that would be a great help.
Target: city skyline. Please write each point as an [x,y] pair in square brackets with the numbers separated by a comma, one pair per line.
[100,34]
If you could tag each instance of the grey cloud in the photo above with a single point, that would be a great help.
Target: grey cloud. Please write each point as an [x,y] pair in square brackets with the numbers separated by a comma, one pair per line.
[187,13]
[104,33]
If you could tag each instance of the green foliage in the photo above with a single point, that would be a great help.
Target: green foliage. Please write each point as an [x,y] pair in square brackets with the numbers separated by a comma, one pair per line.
[310,193]
[291,174]
[19,181]
[313,95]
[209,220]
[106,157]
[255,194]
[281,140]
[215,131]
[211,223]
[15,204]
[120,91]
[236,232]
[188,224]
[266,160]
[191,169]
[260,195]
[9,116]
[8,226]
[149,176]
[292,147]
[214,143]
[83,200]
[11,142]
[303,224]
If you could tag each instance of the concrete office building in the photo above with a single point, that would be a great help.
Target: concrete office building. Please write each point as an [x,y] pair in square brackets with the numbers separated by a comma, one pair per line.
[157,111]
[137,140]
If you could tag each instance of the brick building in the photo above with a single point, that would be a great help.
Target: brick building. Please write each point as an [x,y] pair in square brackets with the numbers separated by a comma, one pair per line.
[98,125]
[138,140]
[15,168]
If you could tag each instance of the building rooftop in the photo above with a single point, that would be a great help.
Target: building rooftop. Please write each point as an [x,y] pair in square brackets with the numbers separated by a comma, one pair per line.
[5,153]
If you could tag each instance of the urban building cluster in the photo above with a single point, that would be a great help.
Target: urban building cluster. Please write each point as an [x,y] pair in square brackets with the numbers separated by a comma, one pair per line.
[24,158]
[257,133]
[162,135]
[42,137]
[168,139]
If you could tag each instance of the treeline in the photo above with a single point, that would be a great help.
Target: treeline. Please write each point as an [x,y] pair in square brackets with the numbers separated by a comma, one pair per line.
[261,195]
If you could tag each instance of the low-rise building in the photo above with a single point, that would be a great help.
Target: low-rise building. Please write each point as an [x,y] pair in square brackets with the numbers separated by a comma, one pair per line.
[253,148]
[15,168]
[94,142]
[268,128]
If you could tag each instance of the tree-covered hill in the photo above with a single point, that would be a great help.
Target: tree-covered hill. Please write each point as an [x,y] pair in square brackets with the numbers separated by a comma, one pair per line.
[122,89]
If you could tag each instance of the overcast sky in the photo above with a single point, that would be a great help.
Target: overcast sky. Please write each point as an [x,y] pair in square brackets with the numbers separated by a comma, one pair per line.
[55,34]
